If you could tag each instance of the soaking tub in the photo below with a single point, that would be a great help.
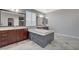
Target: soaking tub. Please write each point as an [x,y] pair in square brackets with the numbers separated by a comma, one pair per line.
[41,37]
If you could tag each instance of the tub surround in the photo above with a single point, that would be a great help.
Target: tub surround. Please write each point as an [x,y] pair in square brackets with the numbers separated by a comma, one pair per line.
[41,37]
[42,32]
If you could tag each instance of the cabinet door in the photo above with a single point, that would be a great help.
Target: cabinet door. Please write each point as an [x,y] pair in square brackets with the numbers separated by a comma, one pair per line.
[24,34]
[4,42]
[12,36]
[0,43]
[21,34]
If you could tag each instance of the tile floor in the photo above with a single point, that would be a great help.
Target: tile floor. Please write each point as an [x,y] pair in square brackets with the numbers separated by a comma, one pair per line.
[59,43]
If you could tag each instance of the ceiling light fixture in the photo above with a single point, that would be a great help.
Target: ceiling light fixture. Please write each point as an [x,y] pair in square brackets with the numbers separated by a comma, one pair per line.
[41,15]
[17,10]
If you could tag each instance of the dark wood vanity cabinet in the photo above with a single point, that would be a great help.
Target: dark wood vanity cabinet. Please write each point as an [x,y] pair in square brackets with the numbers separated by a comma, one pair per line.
[12,36]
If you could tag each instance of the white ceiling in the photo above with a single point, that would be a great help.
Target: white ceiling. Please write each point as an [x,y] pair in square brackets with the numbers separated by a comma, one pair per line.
[46,10]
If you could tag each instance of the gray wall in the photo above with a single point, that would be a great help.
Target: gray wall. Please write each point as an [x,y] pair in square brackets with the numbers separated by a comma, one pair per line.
[65,21]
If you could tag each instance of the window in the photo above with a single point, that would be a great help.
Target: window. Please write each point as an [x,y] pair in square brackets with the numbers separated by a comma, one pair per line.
[10,22]
[33,20]
[30,19]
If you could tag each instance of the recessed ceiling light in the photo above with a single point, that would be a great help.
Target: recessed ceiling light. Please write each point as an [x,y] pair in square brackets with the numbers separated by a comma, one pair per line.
[41,15]
[17,10]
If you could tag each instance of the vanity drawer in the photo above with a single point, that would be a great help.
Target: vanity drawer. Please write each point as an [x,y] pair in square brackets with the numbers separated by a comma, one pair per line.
[3,43]
[3,38]
[3,34]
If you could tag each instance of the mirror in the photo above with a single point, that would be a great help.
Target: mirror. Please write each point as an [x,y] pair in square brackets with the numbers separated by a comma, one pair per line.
[11,18]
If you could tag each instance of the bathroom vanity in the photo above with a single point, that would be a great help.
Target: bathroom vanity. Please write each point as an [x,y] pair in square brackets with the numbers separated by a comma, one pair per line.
[9,35]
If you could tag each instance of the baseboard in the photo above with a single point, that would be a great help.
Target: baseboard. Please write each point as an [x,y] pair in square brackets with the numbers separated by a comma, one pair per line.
[67,35]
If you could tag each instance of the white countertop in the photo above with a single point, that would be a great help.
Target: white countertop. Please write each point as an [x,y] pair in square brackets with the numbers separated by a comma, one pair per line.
[11,28]
[41,31]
